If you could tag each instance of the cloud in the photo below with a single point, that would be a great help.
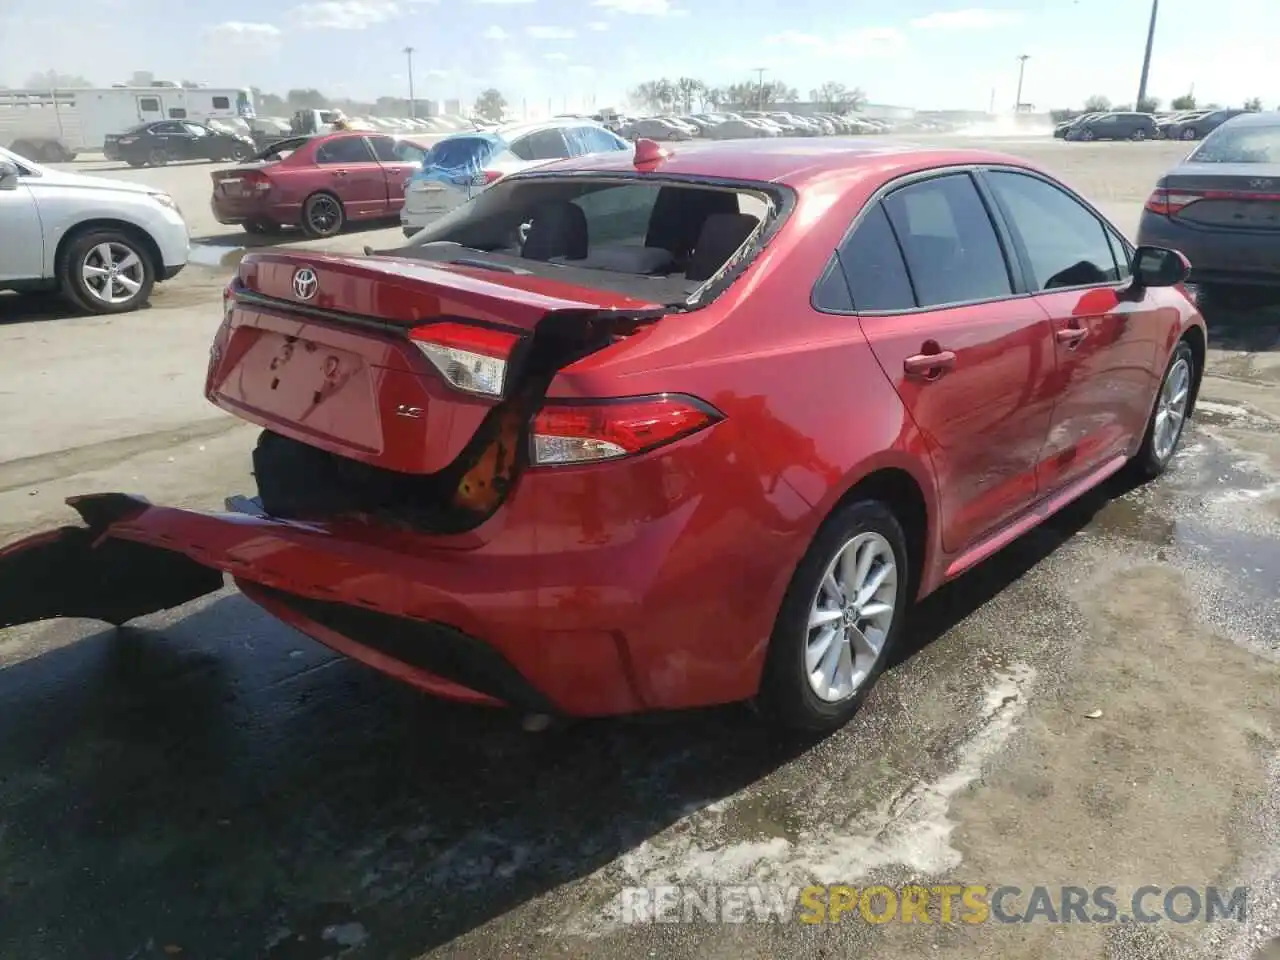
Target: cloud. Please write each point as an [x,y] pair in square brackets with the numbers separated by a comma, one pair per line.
[871,41]
[974,18]
[597,25]
[504,3]
[238,30]
[551,33]
[496,33]
[641,8]
[345,14]
[556,57]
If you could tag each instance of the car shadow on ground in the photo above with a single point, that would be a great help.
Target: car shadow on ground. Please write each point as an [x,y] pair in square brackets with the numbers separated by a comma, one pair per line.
[219,783]
[235,237]
[39,307]
[1247,320]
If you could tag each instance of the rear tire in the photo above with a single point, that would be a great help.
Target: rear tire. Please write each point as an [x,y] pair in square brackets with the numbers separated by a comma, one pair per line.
[1188,134]
[259,227]
[1158,448]
[323,216]
[795,690]
[241,152]
[85,277]
[1138,135]
[136,163]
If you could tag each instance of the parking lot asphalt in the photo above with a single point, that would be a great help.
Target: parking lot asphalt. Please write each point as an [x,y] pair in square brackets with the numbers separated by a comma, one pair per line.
[1099,704]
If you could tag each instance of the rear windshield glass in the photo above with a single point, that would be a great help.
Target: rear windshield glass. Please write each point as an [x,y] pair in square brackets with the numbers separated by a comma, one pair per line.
[660,240]
[1240,145]
[463,152]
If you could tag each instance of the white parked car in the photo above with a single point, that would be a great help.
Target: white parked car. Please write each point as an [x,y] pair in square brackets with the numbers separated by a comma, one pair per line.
[460,166]
[103,243]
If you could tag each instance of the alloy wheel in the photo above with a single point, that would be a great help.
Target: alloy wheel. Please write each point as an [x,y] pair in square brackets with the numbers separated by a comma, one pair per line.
[112,272]
[850,617]
[1171,409]
[323,214]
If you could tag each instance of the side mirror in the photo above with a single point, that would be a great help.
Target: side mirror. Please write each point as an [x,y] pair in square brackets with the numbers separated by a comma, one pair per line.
[9,173]
[1159,267]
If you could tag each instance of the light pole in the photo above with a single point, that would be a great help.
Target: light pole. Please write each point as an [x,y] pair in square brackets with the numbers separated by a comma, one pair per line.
[1022,67]
[760,96]
[408,52]
[1146,57]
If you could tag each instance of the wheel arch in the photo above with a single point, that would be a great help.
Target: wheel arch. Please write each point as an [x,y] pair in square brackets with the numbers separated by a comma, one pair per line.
[131,230]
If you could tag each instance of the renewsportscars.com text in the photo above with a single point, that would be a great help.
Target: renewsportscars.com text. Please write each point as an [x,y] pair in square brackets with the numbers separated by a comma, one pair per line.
[937,904]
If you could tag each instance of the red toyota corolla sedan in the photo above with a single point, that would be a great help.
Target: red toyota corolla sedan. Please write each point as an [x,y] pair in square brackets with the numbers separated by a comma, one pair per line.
[639,434]
[318,184]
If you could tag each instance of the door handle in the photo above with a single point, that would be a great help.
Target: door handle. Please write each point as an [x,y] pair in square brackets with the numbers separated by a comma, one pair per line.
[1071,336]
[339,173]
[929,365]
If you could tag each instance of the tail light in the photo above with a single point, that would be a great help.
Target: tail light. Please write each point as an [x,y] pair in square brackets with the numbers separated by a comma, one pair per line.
[486,177]
[255,181]
[1168,202]
[610,429]
[471,359]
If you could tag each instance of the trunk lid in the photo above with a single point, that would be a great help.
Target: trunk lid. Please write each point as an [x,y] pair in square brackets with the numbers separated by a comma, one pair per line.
[1243,196]
[395,378]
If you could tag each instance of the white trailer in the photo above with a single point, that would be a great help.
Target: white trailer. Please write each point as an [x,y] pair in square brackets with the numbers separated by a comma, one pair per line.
[55,125]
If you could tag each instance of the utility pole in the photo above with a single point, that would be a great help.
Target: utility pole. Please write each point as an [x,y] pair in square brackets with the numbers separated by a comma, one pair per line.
[761,71]
[408,52]
[991,107]
[1146,57]
[1022,67]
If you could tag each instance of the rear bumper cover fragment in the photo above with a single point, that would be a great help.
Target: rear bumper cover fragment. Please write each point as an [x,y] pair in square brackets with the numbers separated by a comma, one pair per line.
[83,572]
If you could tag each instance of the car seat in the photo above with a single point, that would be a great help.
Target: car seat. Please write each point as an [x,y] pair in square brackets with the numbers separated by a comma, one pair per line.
[721,236]
[559,230]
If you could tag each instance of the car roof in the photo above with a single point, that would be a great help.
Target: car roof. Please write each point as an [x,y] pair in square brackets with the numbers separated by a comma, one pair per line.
[509,130]
[792,161]
[1255,118]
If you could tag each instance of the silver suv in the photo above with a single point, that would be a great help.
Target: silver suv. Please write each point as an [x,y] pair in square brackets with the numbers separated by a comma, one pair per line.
[103,243]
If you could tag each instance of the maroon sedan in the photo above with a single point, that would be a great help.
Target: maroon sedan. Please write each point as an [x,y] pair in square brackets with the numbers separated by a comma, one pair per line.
[318,183]
[627,434]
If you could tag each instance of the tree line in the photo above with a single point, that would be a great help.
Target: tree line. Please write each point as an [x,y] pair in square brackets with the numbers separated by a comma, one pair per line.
[684,93]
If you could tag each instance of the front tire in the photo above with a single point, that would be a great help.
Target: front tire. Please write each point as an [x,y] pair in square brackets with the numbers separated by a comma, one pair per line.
[1086,135]
[839,620]
[106,272]
[323,216]
[158,157]
[1169,415]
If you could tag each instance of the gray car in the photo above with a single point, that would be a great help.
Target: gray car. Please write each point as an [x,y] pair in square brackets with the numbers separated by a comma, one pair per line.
[1221,205]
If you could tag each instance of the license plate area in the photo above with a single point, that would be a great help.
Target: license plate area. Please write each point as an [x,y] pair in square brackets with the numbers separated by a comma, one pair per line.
[317,388]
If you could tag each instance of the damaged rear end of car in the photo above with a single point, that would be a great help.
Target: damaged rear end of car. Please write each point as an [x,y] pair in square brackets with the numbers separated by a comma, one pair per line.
[403,399]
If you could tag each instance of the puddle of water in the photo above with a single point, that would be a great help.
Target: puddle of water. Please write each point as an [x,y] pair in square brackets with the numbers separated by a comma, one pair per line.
[208,255]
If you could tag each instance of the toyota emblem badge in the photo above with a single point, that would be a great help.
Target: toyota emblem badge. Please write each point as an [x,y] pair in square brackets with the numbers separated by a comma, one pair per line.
[305,283]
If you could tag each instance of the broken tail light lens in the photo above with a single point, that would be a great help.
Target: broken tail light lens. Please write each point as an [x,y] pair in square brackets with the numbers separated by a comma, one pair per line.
[569,433]
[471,359]
[256,182]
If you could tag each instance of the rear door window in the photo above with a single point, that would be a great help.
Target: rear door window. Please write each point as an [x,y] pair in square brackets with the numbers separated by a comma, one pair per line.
[391,150]
[619,215]
[1066,244]
[344,150]
[873,266]
[590,139]
[541,145]
[948,241]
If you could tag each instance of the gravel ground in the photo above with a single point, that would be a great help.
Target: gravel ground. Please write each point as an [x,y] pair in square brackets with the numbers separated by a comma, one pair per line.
[1097,705]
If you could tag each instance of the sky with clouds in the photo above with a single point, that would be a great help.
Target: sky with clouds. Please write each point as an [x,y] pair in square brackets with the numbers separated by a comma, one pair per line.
[570,54]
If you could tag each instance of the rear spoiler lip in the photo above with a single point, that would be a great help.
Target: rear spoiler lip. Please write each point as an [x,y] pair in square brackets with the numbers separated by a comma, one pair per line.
[382,325]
